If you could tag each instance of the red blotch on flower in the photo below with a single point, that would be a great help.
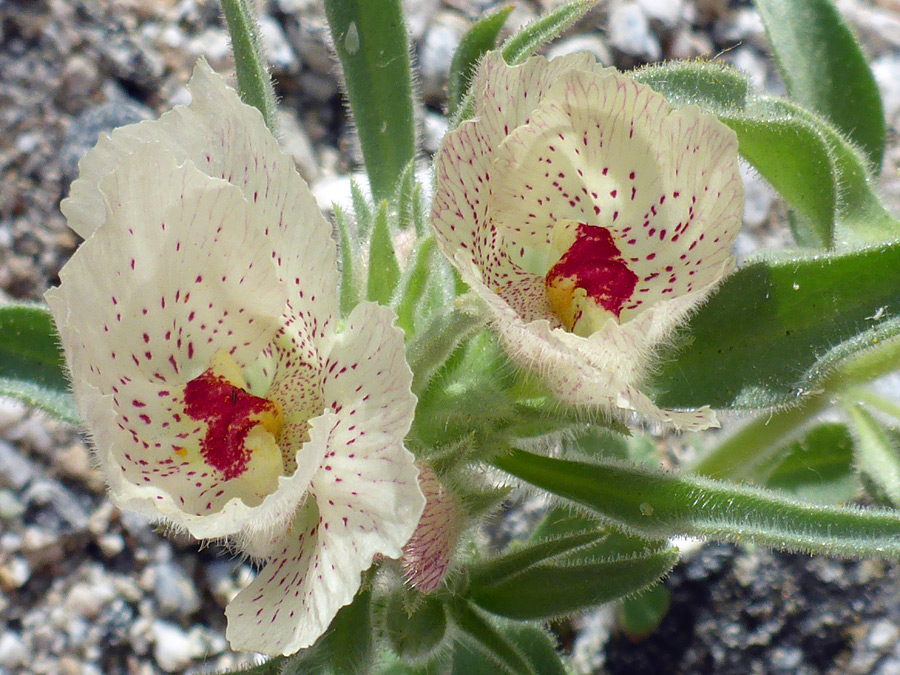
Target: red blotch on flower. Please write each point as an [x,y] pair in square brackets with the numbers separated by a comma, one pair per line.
[230,413]
[595,264]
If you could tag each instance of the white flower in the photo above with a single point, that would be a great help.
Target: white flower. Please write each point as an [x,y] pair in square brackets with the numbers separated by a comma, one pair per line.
[198,321]
[591,218]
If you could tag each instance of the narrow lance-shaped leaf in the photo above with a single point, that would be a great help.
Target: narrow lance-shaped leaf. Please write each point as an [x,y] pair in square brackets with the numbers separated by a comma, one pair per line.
[554,590]
[825,70]
[794,158]
[877,453]
[654,504]
[32,368]
[516,562]
[549,27]
[371,44]
[349,255]
[254,83]
[535,645]
[384,272]
[742,453]
[414,282]
[642,614]
[479,634]
[524,43]
[861,217]
[774,329]
[480,38]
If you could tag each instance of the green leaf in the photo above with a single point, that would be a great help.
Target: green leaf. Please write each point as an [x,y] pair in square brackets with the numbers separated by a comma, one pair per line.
[860,217]
[349,256]
[534,644]
[774,329]
[523,44]
[348,640]
[877,452]
[502,568]
[384,272]
[657,505]
[414,283]
[371,44]
[714,86]
[494,648]
[552,590]
[792,155]
[818,467]
[480,38]
[254,83]
[32,367]
[825,70]
[362,209]
[642,614]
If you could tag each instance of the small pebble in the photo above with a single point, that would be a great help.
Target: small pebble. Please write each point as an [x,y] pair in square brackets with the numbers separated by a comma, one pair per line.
[13,652]
[173,649]
[174,590]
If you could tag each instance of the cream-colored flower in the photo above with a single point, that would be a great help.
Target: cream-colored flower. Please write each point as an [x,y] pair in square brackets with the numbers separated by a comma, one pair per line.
[198,321]
[591,218]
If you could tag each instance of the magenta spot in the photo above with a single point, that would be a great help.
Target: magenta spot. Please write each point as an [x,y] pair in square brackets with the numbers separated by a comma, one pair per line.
[595,264]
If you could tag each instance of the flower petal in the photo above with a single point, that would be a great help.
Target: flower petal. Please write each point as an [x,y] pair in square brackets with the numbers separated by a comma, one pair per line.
[228,139]
[364,499]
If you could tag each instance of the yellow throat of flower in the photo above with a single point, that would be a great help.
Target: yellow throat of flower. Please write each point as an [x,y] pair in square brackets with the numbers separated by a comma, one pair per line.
[241,429]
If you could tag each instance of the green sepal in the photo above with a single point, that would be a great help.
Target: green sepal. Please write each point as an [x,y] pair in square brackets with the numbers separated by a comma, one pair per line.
[371,43]
[657,505]
[825,70]
[775,328]
[480,38]
[436,344]
[414,283]
[415,624]
[253,80]
[384,272]
[32,366]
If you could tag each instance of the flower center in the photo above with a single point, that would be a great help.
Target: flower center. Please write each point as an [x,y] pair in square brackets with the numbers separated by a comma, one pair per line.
[591,282]
[241,429]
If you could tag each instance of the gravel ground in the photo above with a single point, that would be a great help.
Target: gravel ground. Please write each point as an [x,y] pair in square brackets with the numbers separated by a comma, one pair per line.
[87,589]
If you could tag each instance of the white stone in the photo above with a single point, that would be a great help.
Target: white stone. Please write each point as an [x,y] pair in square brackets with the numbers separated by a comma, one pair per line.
[13,652]
[629,32]
[173,649]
